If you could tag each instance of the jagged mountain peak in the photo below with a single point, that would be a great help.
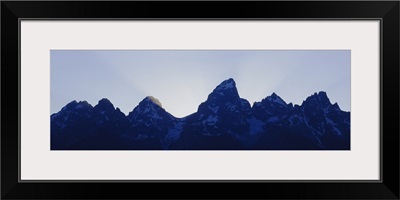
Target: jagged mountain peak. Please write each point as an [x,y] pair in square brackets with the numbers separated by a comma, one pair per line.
[318,98]
[275,99]
[226,89]
[150,107]
[272,101]
[322,96]
[70,105]
[104,105]
[226,84]
[104,102]
[224,97]
[77,105]
[151,99]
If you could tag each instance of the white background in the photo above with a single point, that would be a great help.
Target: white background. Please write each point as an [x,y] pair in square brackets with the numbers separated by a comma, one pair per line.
[39,163]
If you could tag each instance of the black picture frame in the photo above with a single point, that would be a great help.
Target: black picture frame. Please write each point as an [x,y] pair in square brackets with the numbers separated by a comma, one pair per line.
[386,11]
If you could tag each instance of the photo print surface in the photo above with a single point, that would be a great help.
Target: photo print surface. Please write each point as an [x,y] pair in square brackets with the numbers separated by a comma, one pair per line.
[200,99]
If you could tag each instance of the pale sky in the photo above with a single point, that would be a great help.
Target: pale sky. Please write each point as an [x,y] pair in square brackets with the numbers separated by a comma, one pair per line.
[182,79]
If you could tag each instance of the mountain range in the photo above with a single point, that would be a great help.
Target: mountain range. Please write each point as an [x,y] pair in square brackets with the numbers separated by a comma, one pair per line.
[225,121]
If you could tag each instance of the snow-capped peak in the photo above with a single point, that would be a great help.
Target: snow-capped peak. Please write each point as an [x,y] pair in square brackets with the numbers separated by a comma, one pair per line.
[227,84]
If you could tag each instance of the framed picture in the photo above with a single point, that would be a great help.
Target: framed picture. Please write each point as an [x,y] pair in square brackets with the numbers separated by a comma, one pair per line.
[300,98]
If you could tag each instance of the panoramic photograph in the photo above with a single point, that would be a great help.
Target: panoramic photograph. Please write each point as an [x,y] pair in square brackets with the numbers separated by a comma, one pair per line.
[200,100]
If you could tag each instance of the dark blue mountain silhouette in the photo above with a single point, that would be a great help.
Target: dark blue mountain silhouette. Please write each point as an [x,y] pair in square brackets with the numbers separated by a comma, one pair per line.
[223,122]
